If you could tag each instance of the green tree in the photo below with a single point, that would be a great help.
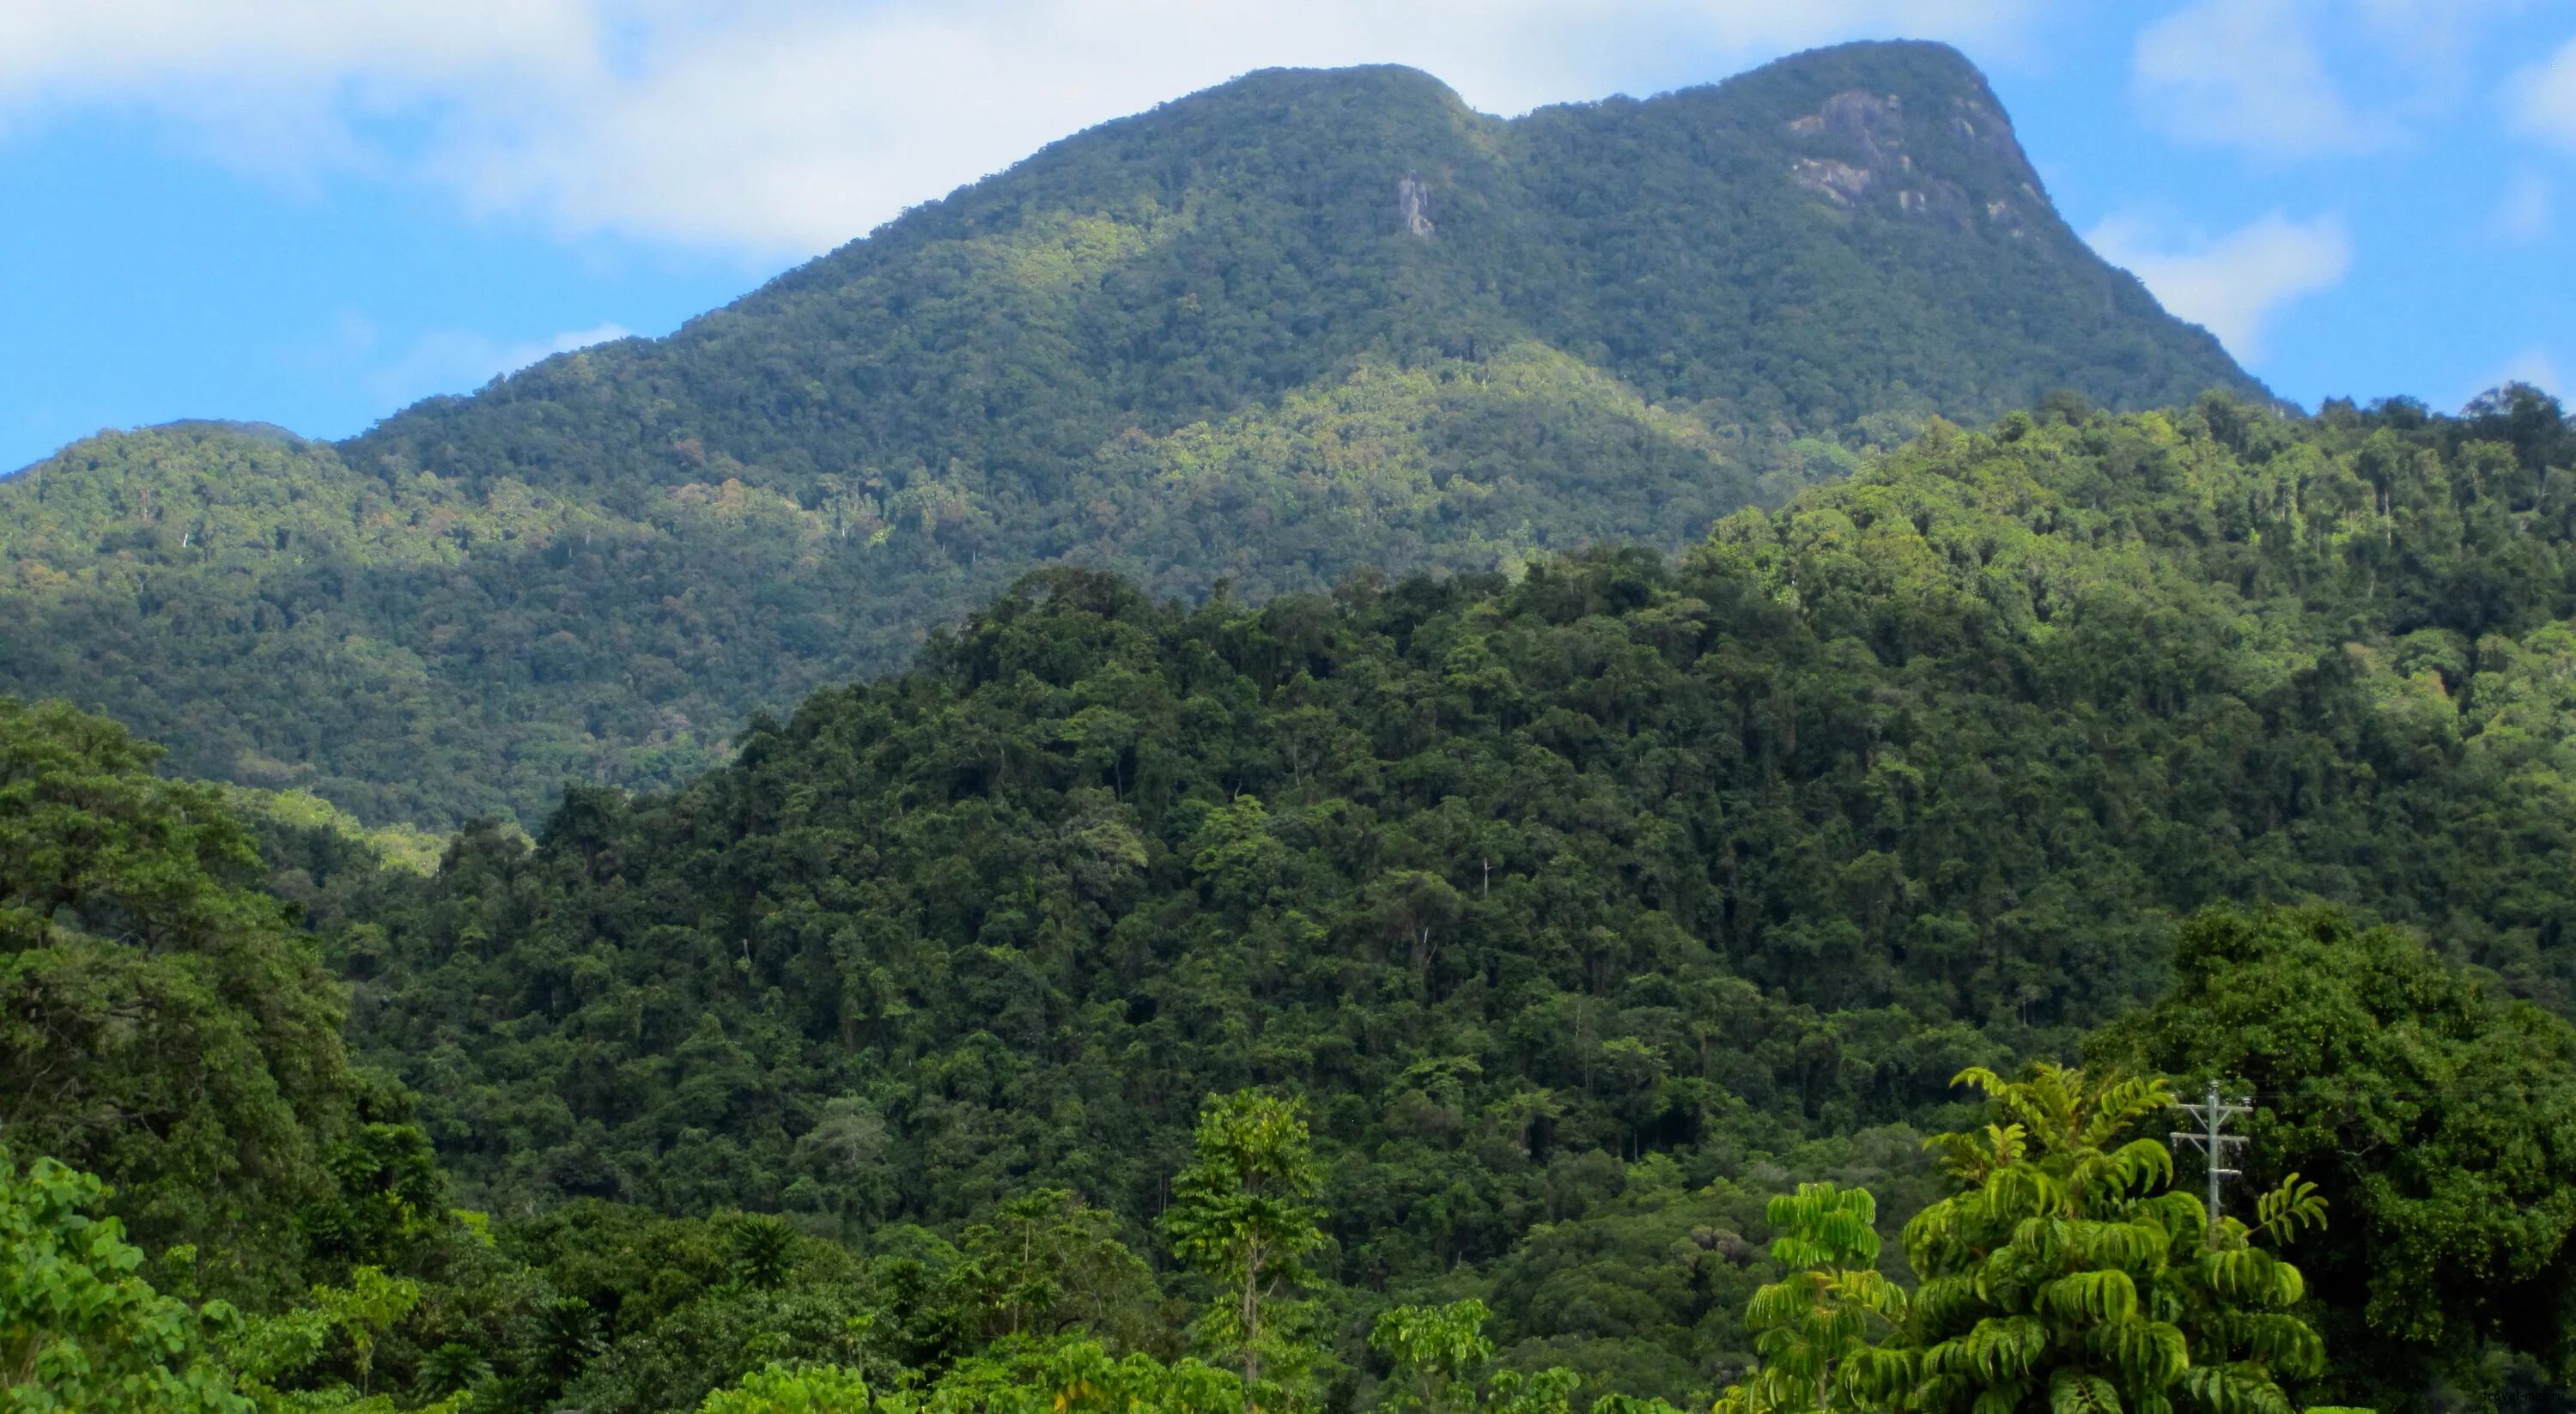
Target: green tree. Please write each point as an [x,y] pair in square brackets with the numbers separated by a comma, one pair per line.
[2068,1274]
[1075,1375]
[161,1022]
[1436,1352]
[1056,1376]
[1437,1355]
[1047,1262]
[388,1197]
[1817,1329]
[794,1389]
[2440,1115]
[277,1354]
[80,1331]
[1243,1213]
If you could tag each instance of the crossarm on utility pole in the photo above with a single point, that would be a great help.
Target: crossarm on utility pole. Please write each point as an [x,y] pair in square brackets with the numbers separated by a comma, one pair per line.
[2212,1140]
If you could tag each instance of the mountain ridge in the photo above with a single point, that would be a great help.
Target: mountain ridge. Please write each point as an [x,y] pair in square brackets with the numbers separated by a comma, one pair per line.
[1302,324]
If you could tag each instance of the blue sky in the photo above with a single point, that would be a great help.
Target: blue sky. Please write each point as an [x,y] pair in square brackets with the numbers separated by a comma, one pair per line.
[312,212]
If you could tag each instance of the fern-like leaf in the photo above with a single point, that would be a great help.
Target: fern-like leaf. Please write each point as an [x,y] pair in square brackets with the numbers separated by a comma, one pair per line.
[2072,1391]
[2281,1213]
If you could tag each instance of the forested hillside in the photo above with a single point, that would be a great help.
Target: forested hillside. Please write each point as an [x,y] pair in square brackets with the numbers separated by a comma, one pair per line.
[1300,325]
[1527,994]
[1551,890]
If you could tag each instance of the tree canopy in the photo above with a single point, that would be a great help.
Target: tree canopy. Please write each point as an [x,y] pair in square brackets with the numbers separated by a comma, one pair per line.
[163,1022]
[2442,1114]
[1576,957]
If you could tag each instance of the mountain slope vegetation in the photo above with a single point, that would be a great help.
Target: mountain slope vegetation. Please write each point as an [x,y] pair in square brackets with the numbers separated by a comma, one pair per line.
[1550,943]
[1300,325]
[1531,881]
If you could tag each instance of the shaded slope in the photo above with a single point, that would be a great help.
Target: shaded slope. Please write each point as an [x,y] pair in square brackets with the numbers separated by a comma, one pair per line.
[1623,855]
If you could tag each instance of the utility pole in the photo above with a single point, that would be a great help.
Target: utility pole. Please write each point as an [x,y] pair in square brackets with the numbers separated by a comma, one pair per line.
[2212,1141]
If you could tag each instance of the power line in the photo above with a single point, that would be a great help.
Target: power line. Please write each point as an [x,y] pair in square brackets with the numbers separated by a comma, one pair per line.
[2212,1140]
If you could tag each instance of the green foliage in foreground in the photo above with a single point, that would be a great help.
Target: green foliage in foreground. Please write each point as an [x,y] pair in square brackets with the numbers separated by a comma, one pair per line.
[2062,1273]
[1818,1328]
[162,1022]
[80,1331]
[1051,1377]
[2442,1118]
[2069,1269]
[2065,1273]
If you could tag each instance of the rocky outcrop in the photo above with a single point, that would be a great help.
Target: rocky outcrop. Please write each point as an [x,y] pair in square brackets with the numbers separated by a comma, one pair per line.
[1413,204]
[1839,182]
[1866,135]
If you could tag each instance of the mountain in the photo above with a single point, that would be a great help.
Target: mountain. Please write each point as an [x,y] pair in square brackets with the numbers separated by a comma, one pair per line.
[1560,896]
[1299,325]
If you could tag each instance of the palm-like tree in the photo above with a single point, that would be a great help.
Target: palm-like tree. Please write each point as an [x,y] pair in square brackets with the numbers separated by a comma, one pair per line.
[1818,1328]
[2067,1273]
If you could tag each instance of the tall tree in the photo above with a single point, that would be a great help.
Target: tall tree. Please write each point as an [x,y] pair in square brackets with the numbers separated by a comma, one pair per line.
[1818,1328]
[162,1023]
[1243,1213]
[1047,1263]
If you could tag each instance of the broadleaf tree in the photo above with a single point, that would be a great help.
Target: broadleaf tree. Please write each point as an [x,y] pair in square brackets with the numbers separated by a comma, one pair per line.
[1243,1213]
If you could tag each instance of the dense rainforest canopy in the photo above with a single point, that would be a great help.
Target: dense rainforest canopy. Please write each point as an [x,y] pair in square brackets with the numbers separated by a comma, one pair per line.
[1510,992]
[1300,325]
[1914,773]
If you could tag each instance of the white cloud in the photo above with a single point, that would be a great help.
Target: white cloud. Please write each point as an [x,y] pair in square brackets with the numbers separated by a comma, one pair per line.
[791,125]
[2275,79]
[2235,284]
[455,361]
[2543,98]
[2522,212]
[2434,41]
[2250,74]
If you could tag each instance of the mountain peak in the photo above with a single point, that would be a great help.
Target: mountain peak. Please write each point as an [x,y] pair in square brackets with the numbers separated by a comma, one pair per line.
[1304,323]
[1915,68]
[1862,143]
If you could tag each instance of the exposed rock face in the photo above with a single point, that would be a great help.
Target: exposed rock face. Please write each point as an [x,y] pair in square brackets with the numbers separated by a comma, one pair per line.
[1413,204]
[1978,123]
[1875,121]
[1868,132]
[1839,182]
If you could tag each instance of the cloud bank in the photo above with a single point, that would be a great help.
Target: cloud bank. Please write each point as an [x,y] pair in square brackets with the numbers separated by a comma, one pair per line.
[2543,98]
[2233,285]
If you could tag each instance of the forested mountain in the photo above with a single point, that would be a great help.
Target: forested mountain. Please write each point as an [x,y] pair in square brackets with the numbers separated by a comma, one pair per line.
[1302,324]
[1316,755]
[1558,892]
